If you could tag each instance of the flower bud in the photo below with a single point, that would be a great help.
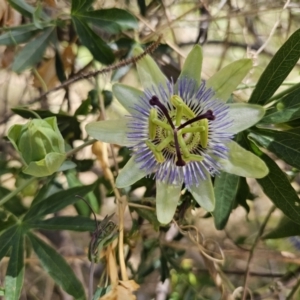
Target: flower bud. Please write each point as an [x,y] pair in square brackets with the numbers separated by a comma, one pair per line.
[40,145]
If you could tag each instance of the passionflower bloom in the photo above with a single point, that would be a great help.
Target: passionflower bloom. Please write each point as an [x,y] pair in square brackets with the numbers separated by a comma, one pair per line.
[182,132]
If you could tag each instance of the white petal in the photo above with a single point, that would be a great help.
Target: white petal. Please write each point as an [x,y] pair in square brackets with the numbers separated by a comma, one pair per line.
[130,174]
[110,131]
[243,163]
[127,95]
[244,115]
[167,197]
[204,193]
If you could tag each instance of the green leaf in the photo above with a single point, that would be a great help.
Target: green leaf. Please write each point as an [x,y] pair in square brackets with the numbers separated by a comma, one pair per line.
[80,5]
[226,187]
[22,7]
[277,70]
[112,20]
[285,144]
[99,49]
[77,223]
[84,108]
[36,15]
[25,9]
[285,228]
[14,205]
[81,207]
[243,194]
[19,35]
[59,66]
[277,187]
[46,190]
[225,81]
[287,109]
[57,267]
[57,202]
[193,65]
[15,271]
[27,57]
[101,291]
[149,215]
[6,240]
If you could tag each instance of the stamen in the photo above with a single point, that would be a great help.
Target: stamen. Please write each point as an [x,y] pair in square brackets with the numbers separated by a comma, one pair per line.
[155,101]
[208,115]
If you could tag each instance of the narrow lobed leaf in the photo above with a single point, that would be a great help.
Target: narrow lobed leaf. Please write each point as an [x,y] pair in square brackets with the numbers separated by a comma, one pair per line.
[226,188]
[15,271]
[277,70]
[99,49]
[285,144]
[56,202]
[27,58]
[57,268]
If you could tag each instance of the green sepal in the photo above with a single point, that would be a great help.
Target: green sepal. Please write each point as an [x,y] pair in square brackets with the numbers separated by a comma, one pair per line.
[131,173]
[45,167]
[167,197]
[149,73]
[225,81]
[193,65]
[127,96]
[203,193]
[110,131]
[243,116]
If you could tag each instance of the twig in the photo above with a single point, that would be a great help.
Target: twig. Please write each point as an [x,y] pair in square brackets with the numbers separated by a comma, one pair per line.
[273,29]
[75,150]
[259,234]
[107,69]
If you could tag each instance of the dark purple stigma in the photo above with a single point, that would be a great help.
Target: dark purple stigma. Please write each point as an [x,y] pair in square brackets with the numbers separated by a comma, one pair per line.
[155,101]
[208,115]
[180,162]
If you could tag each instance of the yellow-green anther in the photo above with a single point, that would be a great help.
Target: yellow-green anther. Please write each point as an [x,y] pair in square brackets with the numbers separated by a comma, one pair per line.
[157,154]
[194,157]
[177,101]
[192,129]
[183,147]
[162,124]
[152,126]
[164,143]
[204,133]
[187,156]
[179,110]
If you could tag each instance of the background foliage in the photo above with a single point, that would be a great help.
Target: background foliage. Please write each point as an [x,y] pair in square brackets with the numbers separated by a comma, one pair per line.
[51,54]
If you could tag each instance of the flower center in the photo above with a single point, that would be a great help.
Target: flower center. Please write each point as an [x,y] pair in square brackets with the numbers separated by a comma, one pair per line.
[178,133]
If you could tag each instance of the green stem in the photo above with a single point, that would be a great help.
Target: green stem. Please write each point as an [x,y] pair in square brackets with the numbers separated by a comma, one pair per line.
[17,190]
[75,150]
[249,86]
